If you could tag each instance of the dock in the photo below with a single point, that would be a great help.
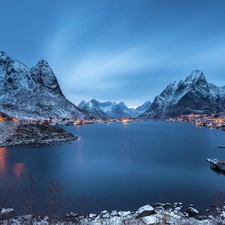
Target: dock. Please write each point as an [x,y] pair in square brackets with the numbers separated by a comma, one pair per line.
[217,164]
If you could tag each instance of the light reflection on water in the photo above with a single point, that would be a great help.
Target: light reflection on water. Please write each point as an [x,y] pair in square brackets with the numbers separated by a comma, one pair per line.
[3,161]
[18,169]
[124,166]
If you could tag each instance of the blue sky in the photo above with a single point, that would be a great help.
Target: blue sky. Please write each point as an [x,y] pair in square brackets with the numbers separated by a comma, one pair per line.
[120,50]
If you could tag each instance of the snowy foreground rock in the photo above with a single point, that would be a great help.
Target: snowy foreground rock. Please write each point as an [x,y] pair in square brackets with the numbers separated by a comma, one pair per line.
[31,134]
[159,214]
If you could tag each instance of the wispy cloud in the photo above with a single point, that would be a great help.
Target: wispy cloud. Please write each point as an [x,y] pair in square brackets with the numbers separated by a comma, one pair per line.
[131,56]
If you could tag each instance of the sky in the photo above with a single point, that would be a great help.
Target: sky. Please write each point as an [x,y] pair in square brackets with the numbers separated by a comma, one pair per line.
[120,50]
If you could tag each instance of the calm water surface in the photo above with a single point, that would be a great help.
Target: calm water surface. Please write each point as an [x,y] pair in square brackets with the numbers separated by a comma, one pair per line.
[118,166]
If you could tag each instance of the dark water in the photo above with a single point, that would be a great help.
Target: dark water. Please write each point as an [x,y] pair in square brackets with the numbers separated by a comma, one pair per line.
[123,167]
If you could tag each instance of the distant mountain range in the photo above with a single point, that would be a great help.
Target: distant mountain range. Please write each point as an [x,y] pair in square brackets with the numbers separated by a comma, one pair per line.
[193,95]
[35,93]
[110,109]
[32,93]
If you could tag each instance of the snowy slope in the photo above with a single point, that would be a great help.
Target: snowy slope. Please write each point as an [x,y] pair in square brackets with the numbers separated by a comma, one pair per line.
[32,93]
[82,103]
[140,109]
[193,95]
[93,109]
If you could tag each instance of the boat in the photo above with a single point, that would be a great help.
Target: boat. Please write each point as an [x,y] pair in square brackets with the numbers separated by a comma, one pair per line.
[221,146]
[216,164]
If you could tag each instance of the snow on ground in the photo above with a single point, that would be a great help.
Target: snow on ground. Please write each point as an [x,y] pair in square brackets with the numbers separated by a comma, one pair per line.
[7,129]
[146,215]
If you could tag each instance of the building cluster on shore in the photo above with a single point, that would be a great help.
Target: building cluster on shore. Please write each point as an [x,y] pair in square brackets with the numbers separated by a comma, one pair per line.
[203,120]
[69,121]
[212,121]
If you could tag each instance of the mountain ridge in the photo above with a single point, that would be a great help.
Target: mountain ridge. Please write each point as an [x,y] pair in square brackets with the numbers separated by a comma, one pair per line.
[111,109]
[32,93]
[193,95]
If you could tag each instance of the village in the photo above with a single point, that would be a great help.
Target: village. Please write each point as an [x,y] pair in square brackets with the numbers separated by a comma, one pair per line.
[203,120]
[67,121]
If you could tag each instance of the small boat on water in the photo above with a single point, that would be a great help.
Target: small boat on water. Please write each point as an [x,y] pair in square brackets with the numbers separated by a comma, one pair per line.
[217,164]
[221,146]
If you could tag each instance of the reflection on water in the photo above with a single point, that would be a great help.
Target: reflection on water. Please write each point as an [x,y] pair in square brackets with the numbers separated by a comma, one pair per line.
[217,171]
[79,155]
[3,161]
[18,169]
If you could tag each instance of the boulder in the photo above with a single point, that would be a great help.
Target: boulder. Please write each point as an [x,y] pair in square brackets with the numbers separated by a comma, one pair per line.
[146,210]
[191,211]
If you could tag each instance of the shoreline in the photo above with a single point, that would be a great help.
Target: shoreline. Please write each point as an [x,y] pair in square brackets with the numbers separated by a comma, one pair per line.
[158,213]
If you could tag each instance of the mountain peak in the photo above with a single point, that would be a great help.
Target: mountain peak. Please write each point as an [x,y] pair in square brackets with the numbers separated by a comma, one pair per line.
[194,95]
[93,100]
[195,76]
[3,55]
[43,62]
[121,103]
[32,92]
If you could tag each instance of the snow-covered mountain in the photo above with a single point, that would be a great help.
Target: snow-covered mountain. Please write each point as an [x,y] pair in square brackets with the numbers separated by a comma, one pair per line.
[143,108]
[110,109]
[82,103]
[193,95]
[32,93]
[93,109]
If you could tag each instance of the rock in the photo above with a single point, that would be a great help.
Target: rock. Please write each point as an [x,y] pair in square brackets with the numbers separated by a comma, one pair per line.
[178,208]
[211,217]
[149,219]
[202,217]
[6,211]
[105,215]
[145,211]
[104,212]
[191,211]
[158,208]
[92,216]
[124,213]
[114,213]
[158,204]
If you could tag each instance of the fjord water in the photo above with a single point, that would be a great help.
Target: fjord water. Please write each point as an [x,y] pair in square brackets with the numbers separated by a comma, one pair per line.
[124,166]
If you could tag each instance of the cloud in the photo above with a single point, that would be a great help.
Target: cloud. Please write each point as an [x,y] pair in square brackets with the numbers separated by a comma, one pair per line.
[98,55]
